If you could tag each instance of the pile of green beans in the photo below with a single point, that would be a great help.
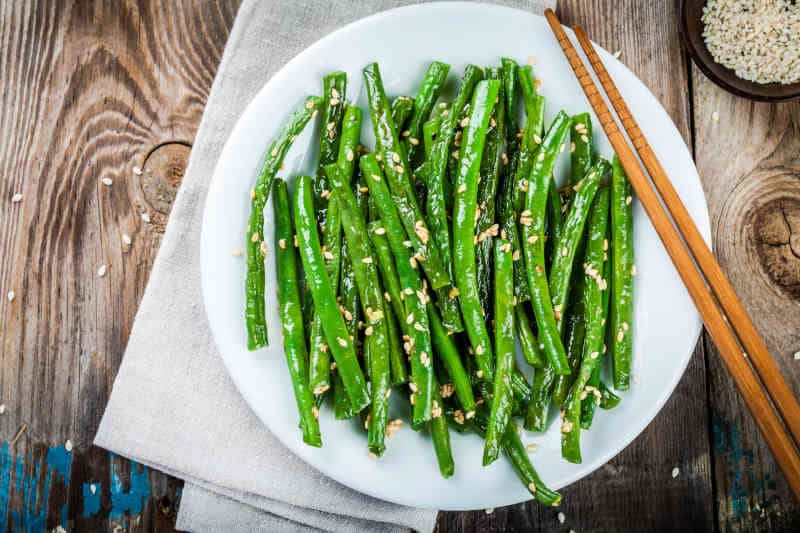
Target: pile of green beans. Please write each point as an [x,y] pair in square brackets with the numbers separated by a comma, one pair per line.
[414,265]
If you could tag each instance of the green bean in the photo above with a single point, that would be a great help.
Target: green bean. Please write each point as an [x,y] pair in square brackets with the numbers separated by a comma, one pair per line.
[397,174]
[518,455]
[464,217]
[608,399]
[414,295]
[530,346]
[589,404]
[430,130]
[342,408]
[554,215]
[439,157]
[369,289]
[567,245]
[574,334]
[333,325]
[541,396]
[532,136]
[319,358]
[427,95]
[504,350]
[440,435]
[391,283]
[294,341]
[509,225]
[520,385]
[622,272]
[448,354]
[255,313]
[333,108]
[351,135]
[595,300]
[581,149]
[509,68]
[491,166]
[532,222]
[401,110]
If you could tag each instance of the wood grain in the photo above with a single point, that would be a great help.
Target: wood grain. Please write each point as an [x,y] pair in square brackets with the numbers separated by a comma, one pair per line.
[89,90]
[748,157]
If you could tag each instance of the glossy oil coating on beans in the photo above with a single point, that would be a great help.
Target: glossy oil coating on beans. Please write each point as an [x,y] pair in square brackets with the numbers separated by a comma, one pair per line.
[365,267]
[339,342]
[527,339]
[509,73]
[464,217]
[401,110]
[581,148]
[255,314]
[567,244]
[622,271]
[398,173]
[414,296]
[427,95]
[491,167]
[294,341]
[532,224]
[501,401]
[595,273]
[334,90]
[319,356]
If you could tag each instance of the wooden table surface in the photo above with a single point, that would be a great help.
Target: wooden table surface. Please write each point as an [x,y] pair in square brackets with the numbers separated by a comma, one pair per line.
[91,89]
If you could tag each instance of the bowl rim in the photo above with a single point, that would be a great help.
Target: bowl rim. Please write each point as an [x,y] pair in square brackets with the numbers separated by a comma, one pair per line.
[710,74]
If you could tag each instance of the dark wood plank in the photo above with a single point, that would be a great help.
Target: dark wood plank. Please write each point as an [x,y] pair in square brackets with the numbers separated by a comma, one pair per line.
[635,491]
[88,91]
[747,154]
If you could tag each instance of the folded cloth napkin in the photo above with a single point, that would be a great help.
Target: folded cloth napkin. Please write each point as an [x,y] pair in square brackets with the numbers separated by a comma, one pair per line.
[173,405]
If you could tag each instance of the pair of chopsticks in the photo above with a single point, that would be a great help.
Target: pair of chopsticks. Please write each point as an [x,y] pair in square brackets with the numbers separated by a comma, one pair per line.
[724,316]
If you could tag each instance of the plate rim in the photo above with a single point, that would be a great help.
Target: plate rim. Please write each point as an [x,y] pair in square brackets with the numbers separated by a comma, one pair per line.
[216,181]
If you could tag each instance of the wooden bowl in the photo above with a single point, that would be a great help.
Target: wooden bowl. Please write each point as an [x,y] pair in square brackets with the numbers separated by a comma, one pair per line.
[691,29]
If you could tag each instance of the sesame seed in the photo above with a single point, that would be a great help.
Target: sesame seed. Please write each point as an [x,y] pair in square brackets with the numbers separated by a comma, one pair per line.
[254,237]
[366,260]
[455,154]
[541,156]
[321,389]
[585,138]
[479,373]
[309,105]
[561,518]
[464,122]
[413,141]
[533,238]
[571,147]
[564,251]
[126,239]
[628,200]
[490,510]
[418,326]
[274,152]
[68,445]
[108,182]
[11,296]
[617,54]
[532,447]
[102,271]
[531,487]
[594,355]
[537,139]
[368,331]
[16,198]
[342,342]
[675,472]
[479,350]
[537,83]
[263,248]
[334,101]
[137,171]
[620,335]
[2,408]
[633,270]
[715,116]
[462,187]
[423,357]
[146,217]
[406,133]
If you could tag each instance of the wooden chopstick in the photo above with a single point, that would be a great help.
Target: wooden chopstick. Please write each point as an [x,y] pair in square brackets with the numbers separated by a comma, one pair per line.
[755,397]
[754,346]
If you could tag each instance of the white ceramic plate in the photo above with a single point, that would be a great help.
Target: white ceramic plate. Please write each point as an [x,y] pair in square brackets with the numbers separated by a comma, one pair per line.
[404,41]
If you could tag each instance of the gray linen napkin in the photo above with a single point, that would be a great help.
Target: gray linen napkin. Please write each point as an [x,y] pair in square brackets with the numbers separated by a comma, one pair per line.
[173,405]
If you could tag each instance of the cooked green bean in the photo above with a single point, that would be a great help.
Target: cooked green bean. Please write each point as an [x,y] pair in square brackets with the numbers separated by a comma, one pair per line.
[567,245]
[464,216]
[491,166]
[401,110]
[351,135]
[622,272]
[339,342]
[532,223]
[391,283]
[504,350]
[369,290]
[398,175]
[255,313]
[438,159]
[342,408]
[414,295]
[608,399]
[527,339]
[595,300]
[589,404]
[440,435]
[581,149]
[294,341]
[448,353]
[520,459]
[509,68]
[319,357]
[574,333]
[333,108]
[427,95]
